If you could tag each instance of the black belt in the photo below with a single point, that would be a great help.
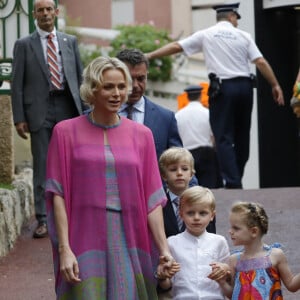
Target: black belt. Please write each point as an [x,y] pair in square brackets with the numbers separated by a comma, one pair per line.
[237,78]
[251,78]
[203,147]
[55,93]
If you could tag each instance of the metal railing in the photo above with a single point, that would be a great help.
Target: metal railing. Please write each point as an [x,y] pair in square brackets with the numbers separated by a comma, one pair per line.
[14,23]
[5,75]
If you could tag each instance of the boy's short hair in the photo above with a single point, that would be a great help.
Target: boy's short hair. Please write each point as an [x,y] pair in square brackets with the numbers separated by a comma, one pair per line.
[174,155]
[198,194]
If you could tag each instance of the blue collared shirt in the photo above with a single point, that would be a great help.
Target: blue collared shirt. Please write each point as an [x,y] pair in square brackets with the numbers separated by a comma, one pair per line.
[138,113]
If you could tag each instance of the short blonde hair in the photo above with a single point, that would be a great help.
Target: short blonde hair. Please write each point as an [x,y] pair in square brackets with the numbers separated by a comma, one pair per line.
[174,155]
[198,194]
[93,76]
[253,214]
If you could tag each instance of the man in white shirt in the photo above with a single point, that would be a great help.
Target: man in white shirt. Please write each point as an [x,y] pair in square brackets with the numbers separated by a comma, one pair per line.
[196,135]
[228,52]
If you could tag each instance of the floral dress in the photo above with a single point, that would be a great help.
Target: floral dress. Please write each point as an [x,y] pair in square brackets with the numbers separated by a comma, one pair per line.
[108,192]
[256,279]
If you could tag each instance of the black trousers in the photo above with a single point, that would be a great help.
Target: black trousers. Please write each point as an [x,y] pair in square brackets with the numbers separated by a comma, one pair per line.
[207,167]
[60,107]
[230,119]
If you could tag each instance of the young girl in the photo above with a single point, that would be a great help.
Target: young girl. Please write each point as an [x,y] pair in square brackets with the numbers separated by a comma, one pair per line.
[257,270]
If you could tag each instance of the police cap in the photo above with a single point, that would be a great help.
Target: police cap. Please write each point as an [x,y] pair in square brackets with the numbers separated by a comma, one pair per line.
[193,89]
[227,8]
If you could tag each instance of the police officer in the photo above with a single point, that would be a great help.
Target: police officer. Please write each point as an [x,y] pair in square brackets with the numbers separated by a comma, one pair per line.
[228,51]
[196,135]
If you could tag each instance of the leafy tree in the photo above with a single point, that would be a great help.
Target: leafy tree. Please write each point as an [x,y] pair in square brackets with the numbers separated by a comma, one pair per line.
[146,38]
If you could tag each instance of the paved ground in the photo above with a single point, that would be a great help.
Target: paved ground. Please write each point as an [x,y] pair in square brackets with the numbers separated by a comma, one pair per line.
[27,274]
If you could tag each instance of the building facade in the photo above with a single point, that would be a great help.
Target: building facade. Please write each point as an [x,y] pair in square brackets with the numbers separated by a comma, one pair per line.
[275,25]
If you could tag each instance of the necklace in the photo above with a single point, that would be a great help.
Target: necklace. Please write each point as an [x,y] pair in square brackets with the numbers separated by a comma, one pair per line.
[102,125]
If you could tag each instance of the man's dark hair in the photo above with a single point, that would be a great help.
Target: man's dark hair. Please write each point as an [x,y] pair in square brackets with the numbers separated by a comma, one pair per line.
[132,57]
[195,96]
[223,15]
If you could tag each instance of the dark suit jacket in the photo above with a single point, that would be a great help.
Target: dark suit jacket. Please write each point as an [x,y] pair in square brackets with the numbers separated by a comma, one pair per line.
[31,79]
[163,125]
[170,222]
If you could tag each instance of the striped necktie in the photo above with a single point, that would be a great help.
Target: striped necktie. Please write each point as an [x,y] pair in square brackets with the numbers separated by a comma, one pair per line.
[52,63]
[178,218]
[129,110]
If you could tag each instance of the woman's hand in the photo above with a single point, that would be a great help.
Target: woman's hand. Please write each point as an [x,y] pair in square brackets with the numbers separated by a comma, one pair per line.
[167,267]
[68,265]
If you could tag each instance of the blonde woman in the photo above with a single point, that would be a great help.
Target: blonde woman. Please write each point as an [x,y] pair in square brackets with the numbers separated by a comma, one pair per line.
[105,196]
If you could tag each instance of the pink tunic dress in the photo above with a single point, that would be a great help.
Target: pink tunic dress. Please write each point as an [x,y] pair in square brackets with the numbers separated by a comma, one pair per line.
[108,193]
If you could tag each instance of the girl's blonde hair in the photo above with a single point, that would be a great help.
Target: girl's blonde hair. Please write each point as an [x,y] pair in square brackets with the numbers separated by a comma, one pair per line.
[174,155]
[253,213]
[198,194]
[93,76]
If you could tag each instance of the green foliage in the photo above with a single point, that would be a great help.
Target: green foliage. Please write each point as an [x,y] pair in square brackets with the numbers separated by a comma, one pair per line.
[87,55]
[146,38]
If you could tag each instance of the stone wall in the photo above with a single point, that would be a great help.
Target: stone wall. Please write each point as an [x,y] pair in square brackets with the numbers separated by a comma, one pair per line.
[16,208]
[6,140]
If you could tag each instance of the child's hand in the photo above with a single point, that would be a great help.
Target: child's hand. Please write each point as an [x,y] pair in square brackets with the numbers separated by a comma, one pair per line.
[220,271]
[167,267]
[173,269]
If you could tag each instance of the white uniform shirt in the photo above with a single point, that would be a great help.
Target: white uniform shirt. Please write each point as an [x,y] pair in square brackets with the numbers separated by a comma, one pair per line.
[227,50]
[194,254]
[193,126]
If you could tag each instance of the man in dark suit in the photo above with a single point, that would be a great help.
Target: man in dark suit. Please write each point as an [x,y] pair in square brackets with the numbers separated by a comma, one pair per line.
[160,120]
[38,104]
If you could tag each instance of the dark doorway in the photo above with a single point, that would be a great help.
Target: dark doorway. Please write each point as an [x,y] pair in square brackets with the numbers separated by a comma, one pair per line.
[278,37]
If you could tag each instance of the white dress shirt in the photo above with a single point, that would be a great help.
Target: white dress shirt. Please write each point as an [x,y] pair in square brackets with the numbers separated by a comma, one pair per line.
[193,126]
[194,254]
[227,50]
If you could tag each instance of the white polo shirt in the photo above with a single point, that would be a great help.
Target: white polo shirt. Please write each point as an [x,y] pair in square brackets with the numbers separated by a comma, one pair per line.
[227,50]
[193,126]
